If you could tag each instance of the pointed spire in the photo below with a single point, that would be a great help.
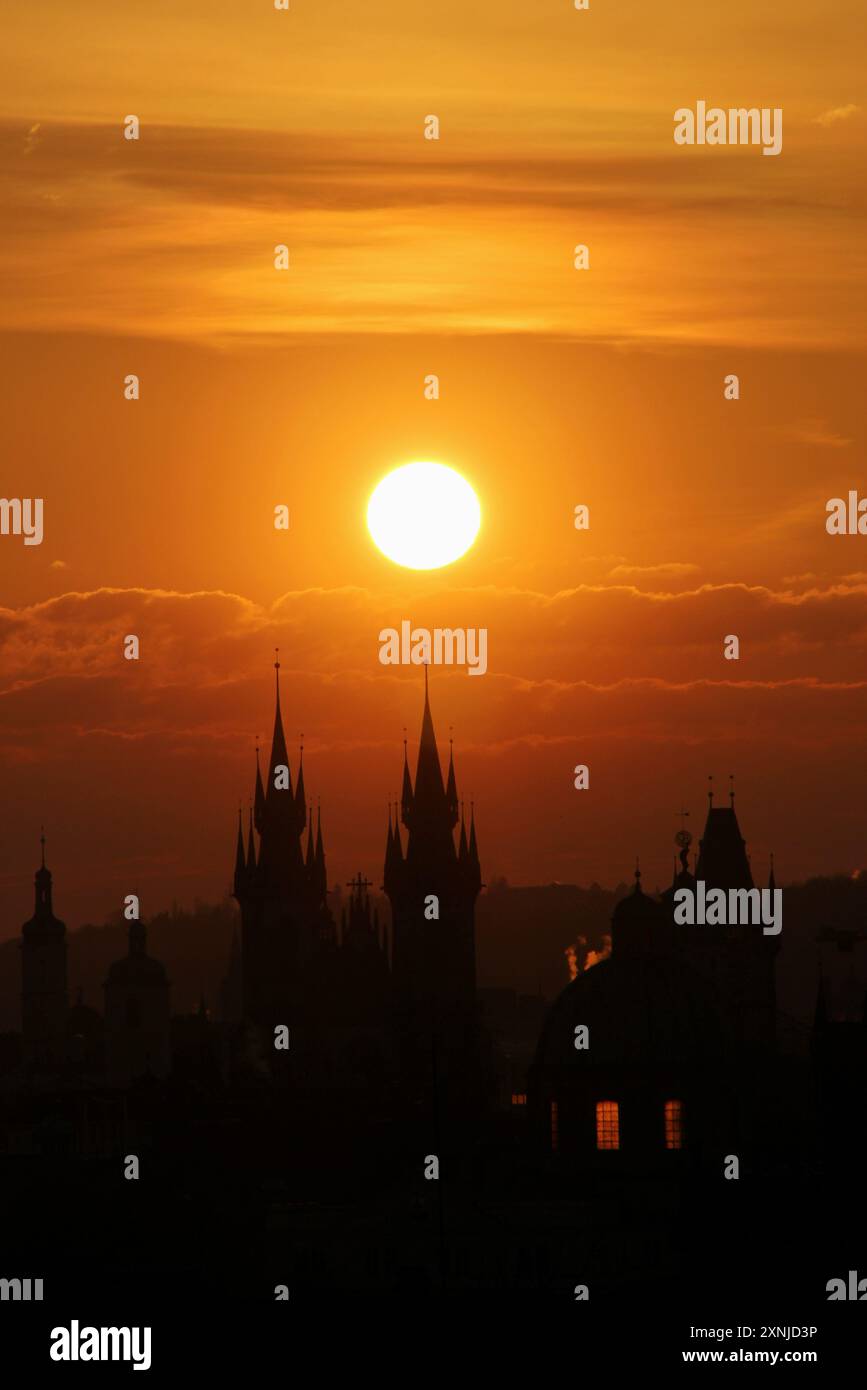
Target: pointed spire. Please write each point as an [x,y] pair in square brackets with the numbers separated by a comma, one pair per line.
[259,802]
[389,851]
[428,773]
[42,883]
[393,850]
[451,785]
[473,852]
[322,877]
[300,798]
[240,861]
[406,790]
[279,755]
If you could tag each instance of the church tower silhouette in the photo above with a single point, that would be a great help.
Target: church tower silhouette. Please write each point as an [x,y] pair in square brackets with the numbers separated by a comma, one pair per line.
[137,1014]
[433,942]
[285,920]
[44,999]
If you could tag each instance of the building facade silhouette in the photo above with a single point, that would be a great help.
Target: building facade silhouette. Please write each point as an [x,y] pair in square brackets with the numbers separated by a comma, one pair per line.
[137,1015]
[292,964]
[661,1054]
[432,885]
[44,1000]
[286,924]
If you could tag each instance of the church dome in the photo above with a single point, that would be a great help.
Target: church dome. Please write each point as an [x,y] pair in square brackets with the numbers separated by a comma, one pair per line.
[639,1010]
[635,908]
[638,923]
[138,968]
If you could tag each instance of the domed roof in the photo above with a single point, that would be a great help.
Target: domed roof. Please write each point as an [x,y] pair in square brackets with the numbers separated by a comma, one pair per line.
[639,1009]
[138,968]
[637,906]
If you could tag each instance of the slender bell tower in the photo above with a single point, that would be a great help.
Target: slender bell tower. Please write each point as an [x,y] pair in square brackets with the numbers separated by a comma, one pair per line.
[44,1000]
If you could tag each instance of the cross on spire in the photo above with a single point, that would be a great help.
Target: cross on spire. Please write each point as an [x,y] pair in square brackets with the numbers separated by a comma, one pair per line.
[359,882]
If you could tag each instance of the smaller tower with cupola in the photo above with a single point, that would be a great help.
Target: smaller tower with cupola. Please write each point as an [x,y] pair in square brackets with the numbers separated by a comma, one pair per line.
[44,1001]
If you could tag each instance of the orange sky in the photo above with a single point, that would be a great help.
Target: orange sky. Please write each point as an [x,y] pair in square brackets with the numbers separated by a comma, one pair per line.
[558,387]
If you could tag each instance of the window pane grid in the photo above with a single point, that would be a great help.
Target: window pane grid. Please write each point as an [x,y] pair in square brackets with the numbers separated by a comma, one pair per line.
[674,1124]
[607,1124]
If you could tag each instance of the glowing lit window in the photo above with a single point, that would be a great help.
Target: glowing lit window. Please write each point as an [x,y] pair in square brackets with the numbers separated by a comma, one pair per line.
[607,1124]
[519,1100]
[555,1127]
[674,1124]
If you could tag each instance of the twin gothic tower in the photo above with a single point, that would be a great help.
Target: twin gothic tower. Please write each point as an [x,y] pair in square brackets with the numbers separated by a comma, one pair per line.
[292,961]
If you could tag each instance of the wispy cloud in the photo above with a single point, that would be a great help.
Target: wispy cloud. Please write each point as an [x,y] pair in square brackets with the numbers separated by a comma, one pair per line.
[837,114]
[817,433]
[174,235]
[670,568]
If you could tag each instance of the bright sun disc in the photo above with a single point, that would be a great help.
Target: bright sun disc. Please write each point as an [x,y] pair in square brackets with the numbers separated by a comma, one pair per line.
[423,515]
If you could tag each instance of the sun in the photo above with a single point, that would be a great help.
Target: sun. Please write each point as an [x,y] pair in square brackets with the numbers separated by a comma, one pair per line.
[423,516]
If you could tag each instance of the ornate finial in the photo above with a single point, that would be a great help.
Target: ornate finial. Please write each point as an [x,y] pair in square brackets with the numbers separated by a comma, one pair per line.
[732,788]
[276,658]
[301,738]
[710,789]
[637,872]
[683,839]
[42,842]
